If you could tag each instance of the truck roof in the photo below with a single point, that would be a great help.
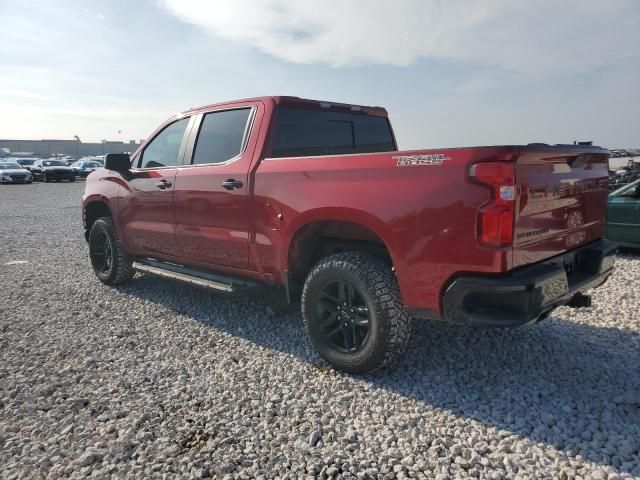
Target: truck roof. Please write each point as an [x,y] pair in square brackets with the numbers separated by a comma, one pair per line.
[299,102]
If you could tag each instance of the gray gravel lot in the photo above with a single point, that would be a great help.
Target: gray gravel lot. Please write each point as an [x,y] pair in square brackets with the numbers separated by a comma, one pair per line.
[162,379]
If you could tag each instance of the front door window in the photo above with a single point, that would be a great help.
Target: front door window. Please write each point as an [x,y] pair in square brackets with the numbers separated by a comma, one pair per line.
[164,149]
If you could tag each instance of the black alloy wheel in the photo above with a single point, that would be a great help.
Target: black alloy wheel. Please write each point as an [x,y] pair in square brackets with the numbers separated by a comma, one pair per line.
[353,312]
[111,263]
[343,315]
[101,253]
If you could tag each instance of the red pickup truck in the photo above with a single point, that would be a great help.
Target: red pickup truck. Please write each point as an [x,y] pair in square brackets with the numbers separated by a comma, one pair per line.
[315,197]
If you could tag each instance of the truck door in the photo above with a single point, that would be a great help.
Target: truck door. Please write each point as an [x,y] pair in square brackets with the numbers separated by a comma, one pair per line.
[212,189]
[147,210]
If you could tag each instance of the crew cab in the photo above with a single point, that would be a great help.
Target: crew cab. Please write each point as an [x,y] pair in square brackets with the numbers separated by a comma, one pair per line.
[315,197]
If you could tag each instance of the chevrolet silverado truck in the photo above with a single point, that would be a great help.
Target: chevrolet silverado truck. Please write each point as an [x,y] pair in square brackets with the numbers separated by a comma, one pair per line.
[315,197]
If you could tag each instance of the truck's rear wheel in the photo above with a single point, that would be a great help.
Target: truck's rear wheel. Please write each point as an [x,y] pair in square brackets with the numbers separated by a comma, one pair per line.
[353,312]
[110,262]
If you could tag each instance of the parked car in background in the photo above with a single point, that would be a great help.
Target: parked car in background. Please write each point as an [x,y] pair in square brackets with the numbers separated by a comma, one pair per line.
[624,176]
[50,170]
[623,215]
[83,168]
[25,163]
[93,158]
[12,172]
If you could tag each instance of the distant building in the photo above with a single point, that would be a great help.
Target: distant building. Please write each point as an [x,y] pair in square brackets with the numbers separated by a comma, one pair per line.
[72,148]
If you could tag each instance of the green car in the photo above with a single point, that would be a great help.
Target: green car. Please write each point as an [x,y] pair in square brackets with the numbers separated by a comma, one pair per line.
[623,215]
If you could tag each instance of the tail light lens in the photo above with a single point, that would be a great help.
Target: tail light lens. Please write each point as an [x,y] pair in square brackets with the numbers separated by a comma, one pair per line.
[495,218]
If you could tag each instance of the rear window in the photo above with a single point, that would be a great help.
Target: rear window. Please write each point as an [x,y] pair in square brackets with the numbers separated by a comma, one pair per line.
[307,133]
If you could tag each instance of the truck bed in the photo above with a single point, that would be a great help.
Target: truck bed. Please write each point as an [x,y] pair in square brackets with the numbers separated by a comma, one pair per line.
[423,205]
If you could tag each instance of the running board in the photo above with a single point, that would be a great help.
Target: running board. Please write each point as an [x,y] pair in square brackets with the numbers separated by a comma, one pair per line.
[190,275]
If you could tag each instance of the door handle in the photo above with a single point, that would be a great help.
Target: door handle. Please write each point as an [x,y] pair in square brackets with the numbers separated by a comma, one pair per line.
[162,184]
[232,183]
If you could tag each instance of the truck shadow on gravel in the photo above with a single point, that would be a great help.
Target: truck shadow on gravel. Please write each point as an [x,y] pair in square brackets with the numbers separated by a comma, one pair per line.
[566,384]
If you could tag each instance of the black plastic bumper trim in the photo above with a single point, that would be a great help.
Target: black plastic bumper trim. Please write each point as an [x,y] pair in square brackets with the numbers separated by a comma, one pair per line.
[528,294]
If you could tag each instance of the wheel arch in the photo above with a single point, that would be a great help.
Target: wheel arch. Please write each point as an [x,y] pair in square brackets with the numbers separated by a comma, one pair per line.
[326,231]
[94,208]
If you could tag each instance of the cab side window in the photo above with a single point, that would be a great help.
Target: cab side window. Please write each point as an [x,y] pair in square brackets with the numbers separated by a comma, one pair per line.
[164,148]
[221,136]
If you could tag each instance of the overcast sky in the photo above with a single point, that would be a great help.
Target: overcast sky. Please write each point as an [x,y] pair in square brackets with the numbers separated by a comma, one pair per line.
[450,72]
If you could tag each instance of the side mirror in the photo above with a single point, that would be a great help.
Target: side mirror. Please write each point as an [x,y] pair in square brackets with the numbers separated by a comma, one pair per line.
[120,162]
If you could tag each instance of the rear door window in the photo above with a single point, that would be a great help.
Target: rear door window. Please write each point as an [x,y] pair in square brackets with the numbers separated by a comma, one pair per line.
[221,136]
[302,132]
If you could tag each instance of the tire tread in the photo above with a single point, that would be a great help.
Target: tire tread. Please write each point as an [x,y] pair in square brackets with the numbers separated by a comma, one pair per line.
[122,270]
[383,287]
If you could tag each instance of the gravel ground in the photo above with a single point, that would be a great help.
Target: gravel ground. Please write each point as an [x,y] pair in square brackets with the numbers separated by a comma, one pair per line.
[162,379]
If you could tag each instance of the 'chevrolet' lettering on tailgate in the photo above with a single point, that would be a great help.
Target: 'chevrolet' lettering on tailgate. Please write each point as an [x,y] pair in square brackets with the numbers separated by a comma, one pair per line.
[568,189]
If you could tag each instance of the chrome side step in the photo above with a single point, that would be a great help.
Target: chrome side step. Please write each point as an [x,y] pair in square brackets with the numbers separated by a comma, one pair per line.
[189,275]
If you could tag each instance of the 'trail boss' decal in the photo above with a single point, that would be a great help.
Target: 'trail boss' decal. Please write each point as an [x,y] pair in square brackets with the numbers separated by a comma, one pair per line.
[420,160]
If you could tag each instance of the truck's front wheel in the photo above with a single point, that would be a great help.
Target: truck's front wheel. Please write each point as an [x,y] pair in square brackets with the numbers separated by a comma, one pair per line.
[353,312]
[110,262]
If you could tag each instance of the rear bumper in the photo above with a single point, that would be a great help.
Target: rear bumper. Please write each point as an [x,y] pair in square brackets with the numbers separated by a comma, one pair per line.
[528,294]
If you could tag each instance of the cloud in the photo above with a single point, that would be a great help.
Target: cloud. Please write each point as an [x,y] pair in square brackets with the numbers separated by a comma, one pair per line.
[534,38]
[19,93]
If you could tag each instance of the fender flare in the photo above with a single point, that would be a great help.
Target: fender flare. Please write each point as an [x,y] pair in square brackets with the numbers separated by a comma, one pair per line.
[98,198]
[343,214]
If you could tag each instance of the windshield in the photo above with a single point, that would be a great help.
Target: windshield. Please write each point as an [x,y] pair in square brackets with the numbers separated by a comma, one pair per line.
[25,161]
[53,163]
[627,190]
[91,165]
[9,166]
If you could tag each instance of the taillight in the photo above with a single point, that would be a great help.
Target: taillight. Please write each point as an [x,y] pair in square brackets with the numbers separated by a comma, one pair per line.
[495,218]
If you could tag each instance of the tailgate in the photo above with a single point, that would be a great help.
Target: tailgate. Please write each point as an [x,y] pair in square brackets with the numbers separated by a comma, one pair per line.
[562,201]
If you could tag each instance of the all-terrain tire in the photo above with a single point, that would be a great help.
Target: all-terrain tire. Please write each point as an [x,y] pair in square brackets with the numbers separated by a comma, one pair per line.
[120,268]
[376,284]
